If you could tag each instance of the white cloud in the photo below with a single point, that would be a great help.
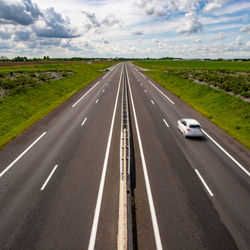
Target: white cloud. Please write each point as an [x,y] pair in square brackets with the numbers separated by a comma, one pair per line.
[92,23]
[24,12]
[192,25]
[214,5]
[220,36]
[54,25]
[246,29]
[233,8]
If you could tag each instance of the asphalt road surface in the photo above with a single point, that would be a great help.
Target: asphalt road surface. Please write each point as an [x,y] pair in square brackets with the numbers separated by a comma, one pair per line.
[59,180]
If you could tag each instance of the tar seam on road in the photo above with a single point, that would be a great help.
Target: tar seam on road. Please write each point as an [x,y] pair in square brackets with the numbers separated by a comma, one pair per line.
[47,180]
[224,151]
[204,183]
[101,187]
[149,193]
[21,155]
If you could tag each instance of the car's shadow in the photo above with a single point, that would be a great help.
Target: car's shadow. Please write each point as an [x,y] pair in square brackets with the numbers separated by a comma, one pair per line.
[202,138]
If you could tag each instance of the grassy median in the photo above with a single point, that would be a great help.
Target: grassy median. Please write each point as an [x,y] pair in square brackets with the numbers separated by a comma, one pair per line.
[30,103]
[228,112]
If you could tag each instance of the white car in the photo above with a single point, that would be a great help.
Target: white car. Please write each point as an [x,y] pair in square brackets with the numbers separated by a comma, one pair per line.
[190,127]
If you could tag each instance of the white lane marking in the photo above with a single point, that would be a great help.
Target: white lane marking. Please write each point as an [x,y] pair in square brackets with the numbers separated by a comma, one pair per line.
[162,93]
[103,90]
[152,102]
[105,76]
[145,90]
[47,180]
[204,183]
[101,187]
[224,151]
[97,100]
[149,193]
[85,95]
[166,123]
[21,155]
[143,75]
[84,121]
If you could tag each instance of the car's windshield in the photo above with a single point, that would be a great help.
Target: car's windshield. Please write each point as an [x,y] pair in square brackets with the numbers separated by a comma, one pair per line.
[194,126]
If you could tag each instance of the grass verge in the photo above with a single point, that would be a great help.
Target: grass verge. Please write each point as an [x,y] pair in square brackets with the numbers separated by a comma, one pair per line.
[21,110]
[228,112]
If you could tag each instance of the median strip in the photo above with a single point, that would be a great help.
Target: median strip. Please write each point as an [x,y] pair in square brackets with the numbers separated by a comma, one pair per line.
[147,183]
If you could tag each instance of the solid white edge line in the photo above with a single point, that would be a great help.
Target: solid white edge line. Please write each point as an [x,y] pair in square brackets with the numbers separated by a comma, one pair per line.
[85,95]
[84,121]
[156,87]
[166,123]
[204,183]
[149,193]
[105,76]
[225,152]
[47,180]
[25,151]
[162,93]
[101,187]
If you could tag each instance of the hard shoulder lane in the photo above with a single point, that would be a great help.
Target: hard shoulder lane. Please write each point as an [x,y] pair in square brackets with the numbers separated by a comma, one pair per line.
[177,191]
[30,218]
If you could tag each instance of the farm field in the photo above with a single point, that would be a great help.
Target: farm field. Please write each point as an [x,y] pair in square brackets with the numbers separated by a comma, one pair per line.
[28,93]
[231,112]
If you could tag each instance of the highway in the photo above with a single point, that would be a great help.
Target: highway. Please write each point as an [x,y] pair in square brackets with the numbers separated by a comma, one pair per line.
[60,179]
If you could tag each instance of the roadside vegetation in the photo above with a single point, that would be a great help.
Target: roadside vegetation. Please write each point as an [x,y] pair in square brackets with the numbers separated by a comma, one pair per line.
[230,113]
[235,82]
[28,93]
[19,81]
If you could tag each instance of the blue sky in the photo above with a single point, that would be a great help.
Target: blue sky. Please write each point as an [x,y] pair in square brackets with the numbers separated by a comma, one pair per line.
[127,28]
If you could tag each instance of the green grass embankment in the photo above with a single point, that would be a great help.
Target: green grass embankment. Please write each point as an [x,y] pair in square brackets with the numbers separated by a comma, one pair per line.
[228,112]
[19,111]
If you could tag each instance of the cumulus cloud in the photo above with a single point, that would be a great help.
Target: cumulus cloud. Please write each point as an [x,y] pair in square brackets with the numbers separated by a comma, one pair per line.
[24,13]
[246,29]
[137,32]
[161,8]
[53,25]
[151,7]
[239,41]
[220,36]
[214,4]
[198,40]
[97,25]
[22,36]
[192,25]
[5,34]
